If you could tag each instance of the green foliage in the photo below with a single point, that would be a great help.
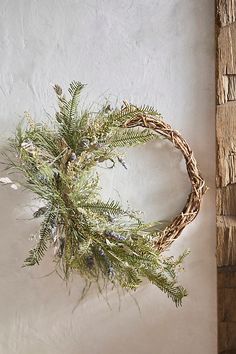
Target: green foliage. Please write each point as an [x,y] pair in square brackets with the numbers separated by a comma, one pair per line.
[100,207]
[129,137]
[98,239]
[37,253]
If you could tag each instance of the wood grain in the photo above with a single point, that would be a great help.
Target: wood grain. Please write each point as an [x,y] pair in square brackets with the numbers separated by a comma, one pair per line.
[226,144]
[226,240]
[226,11]
[226,61]
[226,200]
[226,173]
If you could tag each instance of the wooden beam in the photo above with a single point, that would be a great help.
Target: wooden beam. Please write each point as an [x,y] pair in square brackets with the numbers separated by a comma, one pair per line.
[226,173]
[226,12]
[226,143]
[226,241]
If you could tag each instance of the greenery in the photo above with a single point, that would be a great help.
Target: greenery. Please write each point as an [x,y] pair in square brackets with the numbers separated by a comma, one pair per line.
[98,239]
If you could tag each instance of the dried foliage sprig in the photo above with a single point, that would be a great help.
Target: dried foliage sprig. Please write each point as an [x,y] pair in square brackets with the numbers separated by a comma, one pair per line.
[99,239]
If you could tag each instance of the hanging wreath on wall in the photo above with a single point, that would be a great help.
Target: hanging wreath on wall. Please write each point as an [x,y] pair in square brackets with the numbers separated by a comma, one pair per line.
[99,239]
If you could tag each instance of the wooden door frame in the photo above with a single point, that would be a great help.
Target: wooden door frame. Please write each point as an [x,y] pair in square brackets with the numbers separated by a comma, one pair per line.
[226,173]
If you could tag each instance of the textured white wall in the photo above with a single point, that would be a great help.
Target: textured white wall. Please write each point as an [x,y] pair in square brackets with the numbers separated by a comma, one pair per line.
[156,52]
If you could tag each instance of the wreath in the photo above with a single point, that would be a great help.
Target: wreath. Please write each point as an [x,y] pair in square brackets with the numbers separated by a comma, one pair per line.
[101,240]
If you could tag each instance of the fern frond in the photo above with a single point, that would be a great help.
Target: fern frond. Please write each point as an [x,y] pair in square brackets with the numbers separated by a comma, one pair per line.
[149,110]
[131,137]
[37,253]
[116,118]
[169,287]
[110,208]
[40,212]
[68,117]
[84,121]
[75,89]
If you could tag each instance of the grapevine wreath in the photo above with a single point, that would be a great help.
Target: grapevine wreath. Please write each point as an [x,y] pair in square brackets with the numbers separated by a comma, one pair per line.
[98,239]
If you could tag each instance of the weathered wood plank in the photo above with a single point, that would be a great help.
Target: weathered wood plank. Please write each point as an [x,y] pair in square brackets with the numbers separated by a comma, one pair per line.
[226,61]
[226,278]
[227,49]
[226,200]
[227,305]
[227,337]
[231,88]
[226,241]
[226,11]
[226,144]
[226,173]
